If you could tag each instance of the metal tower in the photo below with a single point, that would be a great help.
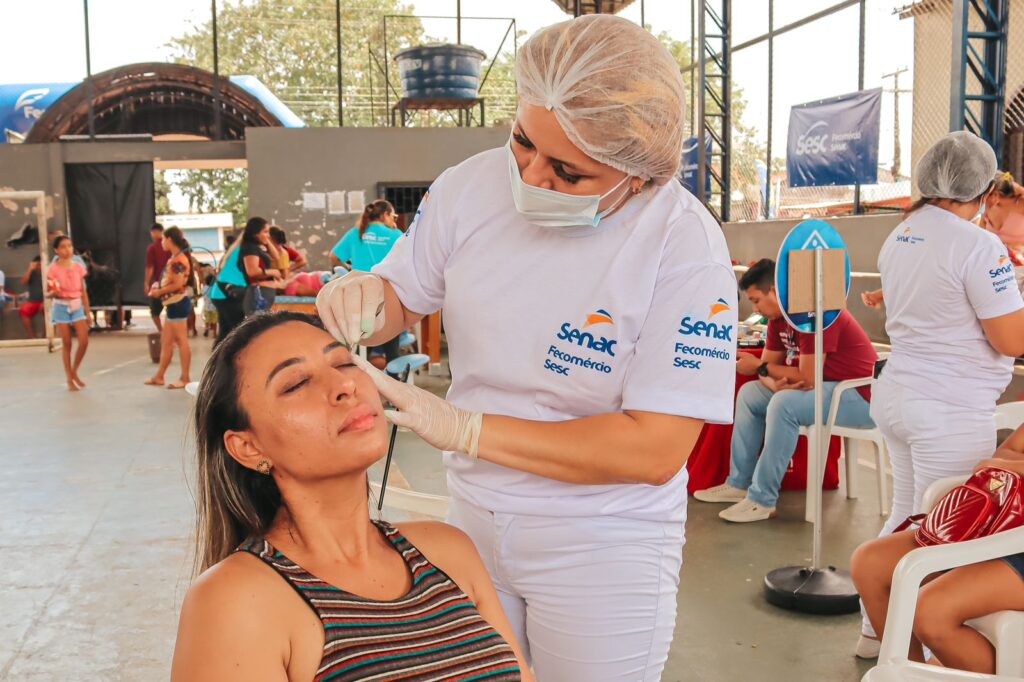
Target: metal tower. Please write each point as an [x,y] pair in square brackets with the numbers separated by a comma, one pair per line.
[978,87]
[714,112]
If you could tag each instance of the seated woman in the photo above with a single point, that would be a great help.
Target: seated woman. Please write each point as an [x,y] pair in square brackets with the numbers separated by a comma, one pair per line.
[298,582]
[951,598]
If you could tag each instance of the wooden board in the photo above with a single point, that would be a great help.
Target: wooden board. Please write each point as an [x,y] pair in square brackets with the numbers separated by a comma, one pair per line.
[801,280]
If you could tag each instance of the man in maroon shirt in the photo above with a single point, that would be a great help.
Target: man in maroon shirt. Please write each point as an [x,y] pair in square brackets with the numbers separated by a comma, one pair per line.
[773,409]
[156,260]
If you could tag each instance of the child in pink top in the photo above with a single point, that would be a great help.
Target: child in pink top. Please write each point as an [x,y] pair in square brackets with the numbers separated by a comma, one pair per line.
[65,284]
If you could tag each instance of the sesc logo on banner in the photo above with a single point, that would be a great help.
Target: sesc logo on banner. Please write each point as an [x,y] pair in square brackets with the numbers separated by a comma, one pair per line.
[835,141]
[21,105]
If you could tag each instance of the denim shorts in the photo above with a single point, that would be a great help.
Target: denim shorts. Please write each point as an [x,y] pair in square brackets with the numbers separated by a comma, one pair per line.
[1016,562]
[179,311]
[61,313]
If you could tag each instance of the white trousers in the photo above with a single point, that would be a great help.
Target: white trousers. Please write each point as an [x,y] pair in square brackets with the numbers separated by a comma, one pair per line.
[589,598]
[928,439]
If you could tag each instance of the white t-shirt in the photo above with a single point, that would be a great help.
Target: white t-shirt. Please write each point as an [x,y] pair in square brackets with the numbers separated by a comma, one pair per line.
[551,325]
[941,275]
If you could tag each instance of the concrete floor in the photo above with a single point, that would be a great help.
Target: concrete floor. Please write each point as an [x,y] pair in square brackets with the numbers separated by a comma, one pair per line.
[96,520]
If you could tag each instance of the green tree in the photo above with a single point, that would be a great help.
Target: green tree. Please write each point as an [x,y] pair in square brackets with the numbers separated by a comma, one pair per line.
[220,190]
[290,45]
[746,149]
[161,188]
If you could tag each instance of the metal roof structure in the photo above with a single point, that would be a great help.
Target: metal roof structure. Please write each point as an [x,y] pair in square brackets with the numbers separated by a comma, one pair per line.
[580,7]
[158,99]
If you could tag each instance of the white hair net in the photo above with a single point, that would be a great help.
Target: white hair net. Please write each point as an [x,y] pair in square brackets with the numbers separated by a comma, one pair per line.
[960,166]
[615,89]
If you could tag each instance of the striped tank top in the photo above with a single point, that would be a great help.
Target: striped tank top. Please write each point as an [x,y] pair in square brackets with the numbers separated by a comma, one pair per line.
[432,633]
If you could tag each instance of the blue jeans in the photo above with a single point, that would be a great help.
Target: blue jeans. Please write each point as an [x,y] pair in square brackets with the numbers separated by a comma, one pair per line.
[775,419]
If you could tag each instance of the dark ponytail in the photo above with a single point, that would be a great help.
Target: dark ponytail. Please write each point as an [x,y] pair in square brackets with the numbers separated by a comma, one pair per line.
[374,211]
[177,238]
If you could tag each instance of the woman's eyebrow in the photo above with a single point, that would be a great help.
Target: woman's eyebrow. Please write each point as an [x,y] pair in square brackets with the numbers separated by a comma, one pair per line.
[332,346]
[281,366]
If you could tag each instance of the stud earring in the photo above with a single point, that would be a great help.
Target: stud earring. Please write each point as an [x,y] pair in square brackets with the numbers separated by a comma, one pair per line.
[263,466]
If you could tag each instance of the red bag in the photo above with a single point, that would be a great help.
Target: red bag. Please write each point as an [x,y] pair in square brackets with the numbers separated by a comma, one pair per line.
[990,501]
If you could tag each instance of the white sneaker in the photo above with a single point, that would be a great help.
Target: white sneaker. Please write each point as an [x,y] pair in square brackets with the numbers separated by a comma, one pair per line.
[721,493]
[746,511]
[867,648]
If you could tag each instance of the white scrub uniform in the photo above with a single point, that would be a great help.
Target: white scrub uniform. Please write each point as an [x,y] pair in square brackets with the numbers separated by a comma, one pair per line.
[935,400]
[552,324]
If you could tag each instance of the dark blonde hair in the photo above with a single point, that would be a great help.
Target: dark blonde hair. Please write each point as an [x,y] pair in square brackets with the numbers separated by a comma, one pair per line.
[930,201]
[233,503]
[374,211]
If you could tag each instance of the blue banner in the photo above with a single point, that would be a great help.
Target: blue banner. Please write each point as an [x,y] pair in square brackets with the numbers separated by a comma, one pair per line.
[835,141]
[691,161]
[22,105]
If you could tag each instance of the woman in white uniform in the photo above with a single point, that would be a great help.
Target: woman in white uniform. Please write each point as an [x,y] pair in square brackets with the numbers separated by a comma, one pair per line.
[590,309]
[955,319]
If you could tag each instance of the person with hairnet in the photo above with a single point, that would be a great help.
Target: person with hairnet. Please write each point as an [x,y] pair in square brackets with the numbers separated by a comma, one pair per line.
[590,307]
[955,319]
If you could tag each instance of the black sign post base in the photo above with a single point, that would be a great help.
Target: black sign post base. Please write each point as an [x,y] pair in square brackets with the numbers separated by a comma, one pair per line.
[827,591]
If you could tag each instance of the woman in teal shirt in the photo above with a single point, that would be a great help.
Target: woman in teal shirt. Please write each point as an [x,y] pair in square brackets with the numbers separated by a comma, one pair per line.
[360,249]
[229,278]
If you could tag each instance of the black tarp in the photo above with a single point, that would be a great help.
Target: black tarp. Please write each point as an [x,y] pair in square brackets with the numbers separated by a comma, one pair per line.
[110,209]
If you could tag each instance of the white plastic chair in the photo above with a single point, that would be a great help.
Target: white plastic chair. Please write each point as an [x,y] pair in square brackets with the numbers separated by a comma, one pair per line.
[1004,629]
[849,435]
[905,671]
[1009,415]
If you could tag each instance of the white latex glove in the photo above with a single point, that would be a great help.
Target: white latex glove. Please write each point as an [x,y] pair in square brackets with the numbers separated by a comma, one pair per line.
[433,419]
[352,307]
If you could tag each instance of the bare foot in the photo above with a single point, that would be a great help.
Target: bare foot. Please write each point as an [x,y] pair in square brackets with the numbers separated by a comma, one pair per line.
[177,384]
[72,387]
[154,381]
[78,380]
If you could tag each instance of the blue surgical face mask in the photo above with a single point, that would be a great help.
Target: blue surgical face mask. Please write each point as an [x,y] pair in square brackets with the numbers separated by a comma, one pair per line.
[548,208]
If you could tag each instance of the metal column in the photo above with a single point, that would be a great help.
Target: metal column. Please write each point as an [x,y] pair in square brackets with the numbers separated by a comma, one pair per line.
[88,76]
[978,85]
[860,86]
[337,47]
[714,106]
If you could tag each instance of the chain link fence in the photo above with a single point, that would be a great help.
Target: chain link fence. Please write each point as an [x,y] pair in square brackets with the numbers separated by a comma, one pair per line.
[806,61]
[293,47]
[908,52]
[933,21]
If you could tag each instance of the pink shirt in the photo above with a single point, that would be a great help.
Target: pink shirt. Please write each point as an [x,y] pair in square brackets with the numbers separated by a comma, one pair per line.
[66,283]
[310,280]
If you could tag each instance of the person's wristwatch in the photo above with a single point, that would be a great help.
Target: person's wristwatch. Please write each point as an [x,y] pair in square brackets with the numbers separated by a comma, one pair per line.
[762,369]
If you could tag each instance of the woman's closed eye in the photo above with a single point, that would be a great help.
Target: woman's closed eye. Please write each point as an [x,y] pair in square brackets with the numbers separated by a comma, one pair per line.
[297,383]
[568,177]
